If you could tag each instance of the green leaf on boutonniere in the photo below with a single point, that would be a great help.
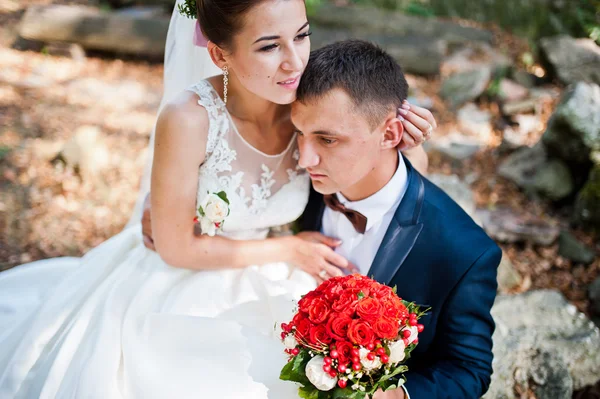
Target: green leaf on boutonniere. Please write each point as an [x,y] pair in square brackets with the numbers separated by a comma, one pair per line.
[360,295]
[201,211]
[223,196]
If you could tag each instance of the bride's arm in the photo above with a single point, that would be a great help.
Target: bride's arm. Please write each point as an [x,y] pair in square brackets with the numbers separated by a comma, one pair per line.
[181,135]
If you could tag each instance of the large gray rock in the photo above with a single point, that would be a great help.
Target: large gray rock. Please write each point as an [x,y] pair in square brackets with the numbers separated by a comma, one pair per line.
[532,170]
[472,56]
[475,122]
[94,29]
[573,131]
[455,146]
[508,277]
[594,295]
[396,23]
[416,53]
[570,247]
[587,206]
[519,135]
[575,60]
[506,225]
[544,344]
[466,86]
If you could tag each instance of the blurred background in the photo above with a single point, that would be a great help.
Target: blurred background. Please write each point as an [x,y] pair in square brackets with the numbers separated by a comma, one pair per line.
[513,84]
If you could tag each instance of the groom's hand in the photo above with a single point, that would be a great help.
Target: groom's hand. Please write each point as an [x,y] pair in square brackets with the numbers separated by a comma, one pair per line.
[147,224]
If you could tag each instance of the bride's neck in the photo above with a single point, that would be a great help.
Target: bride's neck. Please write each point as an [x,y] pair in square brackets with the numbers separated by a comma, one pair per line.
[247,106]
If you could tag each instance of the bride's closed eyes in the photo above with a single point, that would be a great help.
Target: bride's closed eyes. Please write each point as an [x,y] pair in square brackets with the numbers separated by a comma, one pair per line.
[299,38]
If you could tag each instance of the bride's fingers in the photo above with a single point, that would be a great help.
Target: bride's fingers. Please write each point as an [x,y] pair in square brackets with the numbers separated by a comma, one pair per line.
[421,112]
[336,259]
[412,136]
[333,271]
[421,124]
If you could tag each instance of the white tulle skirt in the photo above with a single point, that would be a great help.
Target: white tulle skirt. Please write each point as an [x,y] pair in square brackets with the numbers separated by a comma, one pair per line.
[120,323]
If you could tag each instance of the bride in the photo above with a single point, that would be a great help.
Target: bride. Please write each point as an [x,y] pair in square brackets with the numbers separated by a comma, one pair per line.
[194,319]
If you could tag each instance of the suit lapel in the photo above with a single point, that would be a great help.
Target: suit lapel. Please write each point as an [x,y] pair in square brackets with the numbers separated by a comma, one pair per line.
[403,231]
[312,220]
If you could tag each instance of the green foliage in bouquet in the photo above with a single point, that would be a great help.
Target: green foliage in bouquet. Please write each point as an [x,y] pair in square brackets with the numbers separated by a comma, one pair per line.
[294,371]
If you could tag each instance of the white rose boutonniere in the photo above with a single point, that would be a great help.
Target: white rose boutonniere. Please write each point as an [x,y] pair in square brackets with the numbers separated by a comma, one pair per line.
[211,212]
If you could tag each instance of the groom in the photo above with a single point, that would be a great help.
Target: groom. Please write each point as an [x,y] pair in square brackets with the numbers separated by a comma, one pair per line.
[394,224]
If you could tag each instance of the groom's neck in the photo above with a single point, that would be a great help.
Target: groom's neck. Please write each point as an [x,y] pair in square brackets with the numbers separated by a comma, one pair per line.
[376,179]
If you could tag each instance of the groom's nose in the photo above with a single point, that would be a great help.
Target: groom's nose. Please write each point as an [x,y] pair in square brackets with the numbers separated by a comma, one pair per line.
[308,156]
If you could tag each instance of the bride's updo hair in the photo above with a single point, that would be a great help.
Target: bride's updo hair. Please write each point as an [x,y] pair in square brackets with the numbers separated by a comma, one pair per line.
[220,20]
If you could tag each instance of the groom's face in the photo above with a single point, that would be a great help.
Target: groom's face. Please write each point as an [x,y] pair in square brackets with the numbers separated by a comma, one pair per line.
[338,146]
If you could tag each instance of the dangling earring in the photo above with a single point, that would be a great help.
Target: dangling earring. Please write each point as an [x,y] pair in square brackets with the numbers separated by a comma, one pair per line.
[225,83]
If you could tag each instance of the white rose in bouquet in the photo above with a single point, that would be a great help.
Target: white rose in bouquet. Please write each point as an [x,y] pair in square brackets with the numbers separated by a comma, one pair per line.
[397,353]
[366,363]
[290,342]
[317,376]
[414,333]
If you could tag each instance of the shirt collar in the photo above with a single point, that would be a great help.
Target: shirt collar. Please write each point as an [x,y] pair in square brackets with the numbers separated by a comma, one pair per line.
[387,198]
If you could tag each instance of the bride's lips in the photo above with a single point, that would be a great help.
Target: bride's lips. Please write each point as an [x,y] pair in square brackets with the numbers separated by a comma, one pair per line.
[291,83]
[316,176]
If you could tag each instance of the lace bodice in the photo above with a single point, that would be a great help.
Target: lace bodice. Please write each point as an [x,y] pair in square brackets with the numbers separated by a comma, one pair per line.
[264,190]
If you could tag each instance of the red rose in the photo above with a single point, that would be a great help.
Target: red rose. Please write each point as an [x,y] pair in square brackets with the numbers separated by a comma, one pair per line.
[393,308]
[324,286]
[369,309]
[347,299]
[337,326]
[386,328]
[303,326]
[353,281]
[306,300]
[319,335]
[344,349]
[318,310]
[333,292]
[382,292]
[360,333]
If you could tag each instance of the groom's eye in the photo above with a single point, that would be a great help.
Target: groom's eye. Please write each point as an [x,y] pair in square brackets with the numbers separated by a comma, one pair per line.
[328,141]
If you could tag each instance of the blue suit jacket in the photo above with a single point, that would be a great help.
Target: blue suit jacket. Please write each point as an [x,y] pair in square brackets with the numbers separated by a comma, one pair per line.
[437,256]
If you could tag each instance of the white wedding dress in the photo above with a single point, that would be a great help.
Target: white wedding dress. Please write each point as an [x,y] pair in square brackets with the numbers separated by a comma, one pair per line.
[121,323]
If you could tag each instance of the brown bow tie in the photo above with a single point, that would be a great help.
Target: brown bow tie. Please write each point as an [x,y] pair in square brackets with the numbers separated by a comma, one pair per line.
[358,220]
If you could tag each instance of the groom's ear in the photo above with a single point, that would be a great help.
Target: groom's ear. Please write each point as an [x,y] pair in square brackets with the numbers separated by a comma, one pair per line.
[216,54]
[393,131]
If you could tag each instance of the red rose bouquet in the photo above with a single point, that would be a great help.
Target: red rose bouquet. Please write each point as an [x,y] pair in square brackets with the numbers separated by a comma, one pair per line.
[349,338]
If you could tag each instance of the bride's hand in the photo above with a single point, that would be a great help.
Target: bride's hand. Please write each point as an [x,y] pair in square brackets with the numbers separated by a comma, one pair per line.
[314,253]
[418,124]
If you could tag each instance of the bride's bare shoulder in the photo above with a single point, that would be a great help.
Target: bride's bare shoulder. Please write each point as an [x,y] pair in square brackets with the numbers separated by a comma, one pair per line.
[183,115]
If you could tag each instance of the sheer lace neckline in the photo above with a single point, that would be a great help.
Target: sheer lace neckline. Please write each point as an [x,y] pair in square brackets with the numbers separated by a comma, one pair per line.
[221,104]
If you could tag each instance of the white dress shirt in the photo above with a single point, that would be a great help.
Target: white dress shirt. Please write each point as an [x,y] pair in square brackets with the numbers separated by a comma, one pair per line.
[379,209]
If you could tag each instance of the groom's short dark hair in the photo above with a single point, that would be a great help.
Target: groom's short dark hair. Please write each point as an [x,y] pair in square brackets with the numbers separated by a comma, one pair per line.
[370,76]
